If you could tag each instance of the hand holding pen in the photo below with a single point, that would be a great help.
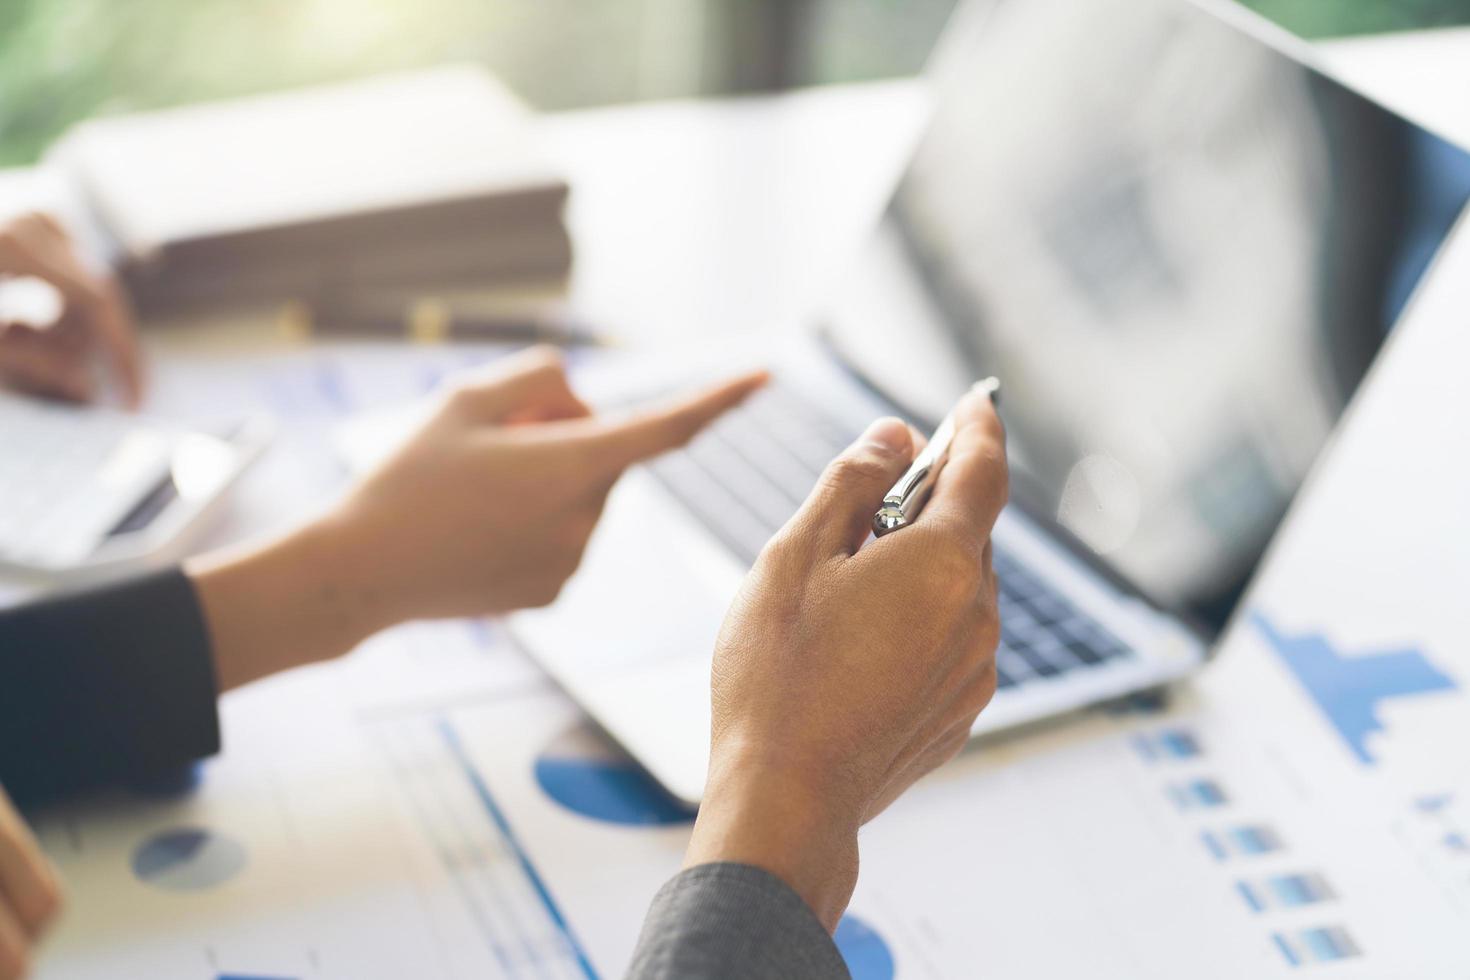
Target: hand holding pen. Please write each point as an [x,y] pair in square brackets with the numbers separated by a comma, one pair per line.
[875,657]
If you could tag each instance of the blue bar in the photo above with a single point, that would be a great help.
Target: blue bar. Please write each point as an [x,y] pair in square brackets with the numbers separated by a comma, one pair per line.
[497,816]
[1433,803]
[1213,845]
[1329,943]
[1286,949]
[1197,793]
[1303,889]
[1207,792]
[1179,744]
[1254,840]
[1251,899]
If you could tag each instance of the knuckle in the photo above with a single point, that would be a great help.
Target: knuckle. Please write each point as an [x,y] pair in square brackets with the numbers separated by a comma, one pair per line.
[794,544]
[855,467]
[461,397]
[963,559]
[784,548]
[990,456]
[955,565]
[993,454]
[544,359]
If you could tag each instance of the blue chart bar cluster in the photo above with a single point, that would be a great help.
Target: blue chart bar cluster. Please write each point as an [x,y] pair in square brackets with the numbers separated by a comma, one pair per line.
[1177,754]
[1285,891]
[1243,841]
[1320,945]
[1198,794]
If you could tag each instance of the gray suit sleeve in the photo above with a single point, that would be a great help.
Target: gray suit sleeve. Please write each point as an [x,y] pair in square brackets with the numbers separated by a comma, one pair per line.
[732,920]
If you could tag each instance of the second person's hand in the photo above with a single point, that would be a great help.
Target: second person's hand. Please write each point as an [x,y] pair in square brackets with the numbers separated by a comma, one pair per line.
[30,894]
[59,360]
[486,509]
[489,507]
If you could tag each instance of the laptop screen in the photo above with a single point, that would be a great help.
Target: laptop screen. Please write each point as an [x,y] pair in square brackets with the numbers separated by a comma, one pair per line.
[1179,249]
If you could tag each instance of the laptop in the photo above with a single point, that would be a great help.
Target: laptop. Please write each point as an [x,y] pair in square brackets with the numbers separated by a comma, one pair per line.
[1180,246]
[89,493]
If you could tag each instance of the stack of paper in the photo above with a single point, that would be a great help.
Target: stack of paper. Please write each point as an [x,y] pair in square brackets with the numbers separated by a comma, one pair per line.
[399,183]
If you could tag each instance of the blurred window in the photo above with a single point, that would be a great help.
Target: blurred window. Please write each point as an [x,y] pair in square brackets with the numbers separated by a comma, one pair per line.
[63,60]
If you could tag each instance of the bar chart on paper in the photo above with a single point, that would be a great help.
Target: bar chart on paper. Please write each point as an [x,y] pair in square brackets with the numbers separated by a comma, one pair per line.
[1275,897]
[1350,688]
[517,918]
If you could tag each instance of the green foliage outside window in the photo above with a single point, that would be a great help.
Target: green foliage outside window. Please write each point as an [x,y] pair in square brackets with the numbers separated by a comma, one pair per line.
[63,60]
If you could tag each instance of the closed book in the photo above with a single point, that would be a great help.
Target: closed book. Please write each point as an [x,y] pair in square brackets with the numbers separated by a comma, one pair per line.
[393,165]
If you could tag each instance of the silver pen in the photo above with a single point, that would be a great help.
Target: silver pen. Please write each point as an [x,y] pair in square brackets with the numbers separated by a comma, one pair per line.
[902,504]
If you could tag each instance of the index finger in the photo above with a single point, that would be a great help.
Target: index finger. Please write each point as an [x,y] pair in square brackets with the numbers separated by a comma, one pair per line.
[975,484]
[615,444]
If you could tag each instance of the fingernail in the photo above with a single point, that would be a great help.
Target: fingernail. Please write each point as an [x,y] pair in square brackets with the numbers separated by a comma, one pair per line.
[990,387]
[889,435]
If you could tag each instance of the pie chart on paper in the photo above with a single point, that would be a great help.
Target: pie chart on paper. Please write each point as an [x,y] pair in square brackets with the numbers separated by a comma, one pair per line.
[188,859]
[583,772]
[863,950]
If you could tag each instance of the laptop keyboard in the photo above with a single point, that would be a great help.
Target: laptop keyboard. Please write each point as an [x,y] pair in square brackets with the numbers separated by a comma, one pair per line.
[1042,634]
[750,471]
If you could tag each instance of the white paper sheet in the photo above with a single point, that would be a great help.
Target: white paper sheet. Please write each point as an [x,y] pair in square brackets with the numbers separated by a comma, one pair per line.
[328,840]
[1233,833]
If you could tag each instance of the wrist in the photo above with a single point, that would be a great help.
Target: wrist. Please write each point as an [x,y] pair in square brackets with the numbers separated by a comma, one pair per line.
[300,599]
[782,823]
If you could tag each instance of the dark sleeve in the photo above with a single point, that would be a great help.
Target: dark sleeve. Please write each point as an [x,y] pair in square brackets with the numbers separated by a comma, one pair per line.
[108,685]
[732,920]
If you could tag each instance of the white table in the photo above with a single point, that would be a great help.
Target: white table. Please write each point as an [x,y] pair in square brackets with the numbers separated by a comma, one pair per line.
[699,220]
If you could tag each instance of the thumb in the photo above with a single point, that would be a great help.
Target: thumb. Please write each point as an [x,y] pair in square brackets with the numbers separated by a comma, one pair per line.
[839,512]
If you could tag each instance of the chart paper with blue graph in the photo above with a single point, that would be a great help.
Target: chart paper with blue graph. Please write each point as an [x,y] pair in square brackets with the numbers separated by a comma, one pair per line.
[503,836]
